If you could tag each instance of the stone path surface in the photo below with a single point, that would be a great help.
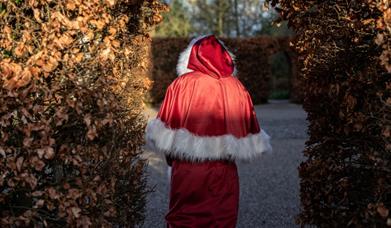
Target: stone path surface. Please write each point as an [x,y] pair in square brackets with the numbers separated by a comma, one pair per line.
[269,186]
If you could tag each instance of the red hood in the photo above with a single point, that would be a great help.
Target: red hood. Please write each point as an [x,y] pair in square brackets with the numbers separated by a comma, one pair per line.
[209,56]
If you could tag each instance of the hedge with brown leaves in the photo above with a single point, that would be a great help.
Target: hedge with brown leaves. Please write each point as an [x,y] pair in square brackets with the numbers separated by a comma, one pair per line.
[73,74]
[344,52]
[252,55]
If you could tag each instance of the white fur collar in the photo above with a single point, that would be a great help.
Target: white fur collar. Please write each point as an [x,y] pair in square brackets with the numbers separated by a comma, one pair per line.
[184,57]
[180,143]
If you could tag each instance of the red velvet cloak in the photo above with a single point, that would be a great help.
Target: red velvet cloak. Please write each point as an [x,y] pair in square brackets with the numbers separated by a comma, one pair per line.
[207,114]
[206,121]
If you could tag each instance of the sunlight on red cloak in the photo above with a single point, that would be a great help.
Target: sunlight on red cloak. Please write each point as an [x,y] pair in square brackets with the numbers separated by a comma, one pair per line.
[207,106]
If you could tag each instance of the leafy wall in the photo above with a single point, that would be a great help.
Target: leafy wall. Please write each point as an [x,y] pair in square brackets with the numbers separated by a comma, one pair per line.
[73,74]
[344,52]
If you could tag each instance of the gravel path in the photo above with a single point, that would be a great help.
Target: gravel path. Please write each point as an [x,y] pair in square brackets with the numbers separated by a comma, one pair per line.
[269,186]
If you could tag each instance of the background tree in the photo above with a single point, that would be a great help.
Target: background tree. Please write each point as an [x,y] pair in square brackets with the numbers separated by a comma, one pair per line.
[176,22]
[229,18]
[272,26]
[211,16]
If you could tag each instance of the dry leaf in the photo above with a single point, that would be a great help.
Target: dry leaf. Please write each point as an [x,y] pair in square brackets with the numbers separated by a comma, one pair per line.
[27,141]
[79,57]
[37,163]
[49,153]
[76,212]
[112,31]
[2,152]
[50,65]
[64,41]
[19,163]
[37,15]
[37,193]
[383,211]
[39,203]
[99,24]
[70,5]
[110,2]
[40,153]
[87,119]
[115,43]
[24,78]
[91,134]
[20,50]
[53,194]
[32,181]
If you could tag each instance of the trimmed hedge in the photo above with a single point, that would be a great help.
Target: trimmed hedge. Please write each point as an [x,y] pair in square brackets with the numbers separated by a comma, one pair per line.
[296,81]
[165,53]
[73,74]
[252,54]
[344,53]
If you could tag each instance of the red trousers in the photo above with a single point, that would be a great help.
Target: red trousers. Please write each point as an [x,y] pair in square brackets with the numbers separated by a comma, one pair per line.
[203,195]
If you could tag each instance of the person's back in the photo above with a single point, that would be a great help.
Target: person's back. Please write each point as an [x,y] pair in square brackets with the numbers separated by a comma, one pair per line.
[205,123]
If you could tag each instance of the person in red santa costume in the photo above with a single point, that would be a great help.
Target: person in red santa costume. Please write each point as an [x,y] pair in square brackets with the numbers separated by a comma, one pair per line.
[206,123]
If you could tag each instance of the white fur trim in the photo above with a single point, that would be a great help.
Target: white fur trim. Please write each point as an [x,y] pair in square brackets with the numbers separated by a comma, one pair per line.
[183,144]
[184,57]
[183,61]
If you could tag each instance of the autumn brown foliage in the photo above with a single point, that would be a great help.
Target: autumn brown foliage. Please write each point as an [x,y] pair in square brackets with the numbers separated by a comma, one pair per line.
[252,55]
[344,52]
[73,74]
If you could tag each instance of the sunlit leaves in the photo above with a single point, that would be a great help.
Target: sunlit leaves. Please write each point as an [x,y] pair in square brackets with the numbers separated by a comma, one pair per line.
[70,111]
[344,52]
